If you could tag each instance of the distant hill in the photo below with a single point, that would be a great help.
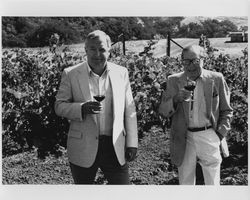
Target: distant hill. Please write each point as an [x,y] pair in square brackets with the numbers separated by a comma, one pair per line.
[238,21]
[36,31]
[234,50]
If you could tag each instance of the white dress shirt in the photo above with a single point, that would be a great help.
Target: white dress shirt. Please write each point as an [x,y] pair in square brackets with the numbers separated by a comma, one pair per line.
[100,85]
[198,113]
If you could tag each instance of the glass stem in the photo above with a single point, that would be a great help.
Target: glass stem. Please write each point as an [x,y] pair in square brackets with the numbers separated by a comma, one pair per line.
[192,100]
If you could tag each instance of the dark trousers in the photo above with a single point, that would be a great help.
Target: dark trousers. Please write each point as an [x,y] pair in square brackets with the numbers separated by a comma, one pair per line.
[107,161]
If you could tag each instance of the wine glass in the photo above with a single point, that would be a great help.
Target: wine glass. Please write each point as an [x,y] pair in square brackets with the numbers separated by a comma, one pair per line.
[190,86]
[99,98]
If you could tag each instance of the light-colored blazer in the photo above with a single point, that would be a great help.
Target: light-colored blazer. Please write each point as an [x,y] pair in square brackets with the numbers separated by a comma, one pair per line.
[219,111]
[82,143]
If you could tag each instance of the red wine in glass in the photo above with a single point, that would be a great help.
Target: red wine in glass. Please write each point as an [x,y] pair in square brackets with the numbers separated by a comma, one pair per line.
[190,87]
[99,98]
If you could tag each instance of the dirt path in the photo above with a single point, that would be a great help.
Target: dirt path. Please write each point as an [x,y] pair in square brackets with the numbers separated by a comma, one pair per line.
[151,167]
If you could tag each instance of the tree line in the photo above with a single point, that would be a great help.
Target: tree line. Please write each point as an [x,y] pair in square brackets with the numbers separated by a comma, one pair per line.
[36,31]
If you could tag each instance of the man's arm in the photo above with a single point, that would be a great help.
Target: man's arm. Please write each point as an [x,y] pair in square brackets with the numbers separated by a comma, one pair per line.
[168,103]
[64,105]
[130,118]
[225,110]
[130,122]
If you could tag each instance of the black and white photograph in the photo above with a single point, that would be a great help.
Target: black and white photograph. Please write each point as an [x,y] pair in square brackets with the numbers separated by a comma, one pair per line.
[136,101]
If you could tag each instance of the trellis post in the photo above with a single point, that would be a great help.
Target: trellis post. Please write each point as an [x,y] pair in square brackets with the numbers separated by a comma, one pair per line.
[168,43]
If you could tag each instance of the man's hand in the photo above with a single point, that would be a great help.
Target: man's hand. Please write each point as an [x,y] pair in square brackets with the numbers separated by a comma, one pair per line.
[219,135]
[91,107]
[130,153]
[181,96]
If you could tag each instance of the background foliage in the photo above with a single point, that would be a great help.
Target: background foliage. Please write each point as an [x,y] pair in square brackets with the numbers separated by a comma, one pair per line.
[35,31]
[30,81]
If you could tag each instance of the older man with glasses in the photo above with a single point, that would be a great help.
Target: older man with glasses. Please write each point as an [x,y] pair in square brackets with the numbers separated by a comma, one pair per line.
[200,123]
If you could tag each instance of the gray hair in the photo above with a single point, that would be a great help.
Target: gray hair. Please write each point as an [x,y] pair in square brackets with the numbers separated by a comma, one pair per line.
[98,34]
[200,51]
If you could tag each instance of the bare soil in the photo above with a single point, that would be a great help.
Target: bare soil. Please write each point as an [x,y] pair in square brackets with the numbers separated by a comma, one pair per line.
[151,167]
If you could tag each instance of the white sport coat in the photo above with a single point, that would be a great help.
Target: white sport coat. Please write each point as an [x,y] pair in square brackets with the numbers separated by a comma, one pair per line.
[219,111]
[82,143]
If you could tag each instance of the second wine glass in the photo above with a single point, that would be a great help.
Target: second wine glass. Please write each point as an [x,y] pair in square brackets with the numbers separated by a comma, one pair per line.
[190,86]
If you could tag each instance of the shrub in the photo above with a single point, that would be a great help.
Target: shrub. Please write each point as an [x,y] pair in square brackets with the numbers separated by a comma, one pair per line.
[41,35]
[30,82]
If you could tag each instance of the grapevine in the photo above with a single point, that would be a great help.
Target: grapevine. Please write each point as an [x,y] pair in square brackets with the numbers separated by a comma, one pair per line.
[30,80]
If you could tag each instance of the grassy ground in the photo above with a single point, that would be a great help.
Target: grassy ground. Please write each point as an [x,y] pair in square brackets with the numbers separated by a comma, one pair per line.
[152,167]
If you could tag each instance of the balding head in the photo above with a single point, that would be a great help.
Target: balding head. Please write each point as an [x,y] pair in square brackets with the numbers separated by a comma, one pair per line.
[196,49]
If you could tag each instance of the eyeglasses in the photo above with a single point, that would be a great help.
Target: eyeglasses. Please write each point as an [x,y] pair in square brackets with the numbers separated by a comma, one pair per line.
[189,61]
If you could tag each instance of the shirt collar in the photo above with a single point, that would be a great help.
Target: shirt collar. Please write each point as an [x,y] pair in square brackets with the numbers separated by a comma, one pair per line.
[202,74]
[90,71]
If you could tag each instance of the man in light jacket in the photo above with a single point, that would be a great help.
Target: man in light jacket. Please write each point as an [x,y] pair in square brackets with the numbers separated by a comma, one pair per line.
[200,124]
[101,134]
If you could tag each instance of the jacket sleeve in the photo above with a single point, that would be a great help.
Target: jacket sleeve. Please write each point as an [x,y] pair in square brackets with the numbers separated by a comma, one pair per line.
[64,105]
[225,110]
[130,123]
[167,108]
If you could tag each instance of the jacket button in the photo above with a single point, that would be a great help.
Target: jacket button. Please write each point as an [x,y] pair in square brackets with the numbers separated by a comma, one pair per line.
[96,137]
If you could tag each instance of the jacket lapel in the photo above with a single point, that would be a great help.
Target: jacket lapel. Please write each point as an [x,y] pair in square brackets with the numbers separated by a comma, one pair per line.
[208,84]
[115,83]
[83,79]
[185,104]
